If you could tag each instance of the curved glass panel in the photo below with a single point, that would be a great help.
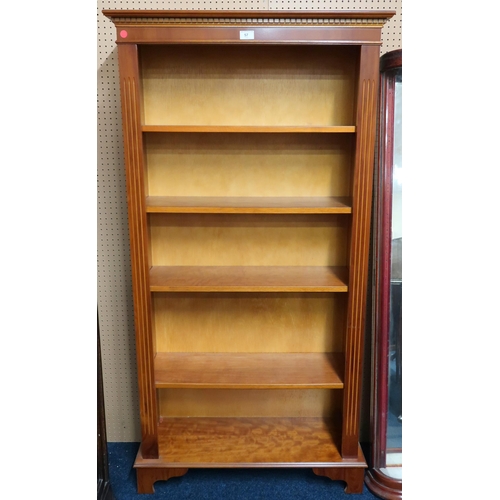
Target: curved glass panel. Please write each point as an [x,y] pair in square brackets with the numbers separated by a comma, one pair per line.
[394,443]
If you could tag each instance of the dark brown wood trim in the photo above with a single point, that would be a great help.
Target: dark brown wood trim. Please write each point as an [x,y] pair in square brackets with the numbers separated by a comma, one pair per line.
[391,60]
[383,214]
[104,491]
[383,486]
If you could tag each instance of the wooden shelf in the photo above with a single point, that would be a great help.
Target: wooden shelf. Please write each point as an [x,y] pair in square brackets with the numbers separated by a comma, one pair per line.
[248,205]
[249,370]
[278,129]
[248,279]
[249,442]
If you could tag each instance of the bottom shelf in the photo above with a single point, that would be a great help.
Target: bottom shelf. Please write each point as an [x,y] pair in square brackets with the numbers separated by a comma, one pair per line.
[249,442]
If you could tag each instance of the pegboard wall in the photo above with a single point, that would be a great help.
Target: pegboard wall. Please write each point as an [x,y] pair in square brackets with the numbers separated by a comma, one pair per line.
[113,258]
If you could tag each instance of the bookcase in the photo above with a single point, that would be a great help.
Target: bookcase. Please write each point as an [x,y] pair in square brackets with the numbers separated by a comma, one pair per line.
[249,149]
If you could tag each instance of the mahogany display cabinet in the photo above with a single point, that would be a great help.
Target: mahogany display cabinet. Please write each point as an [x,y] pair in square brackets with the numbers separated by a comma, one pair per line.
[249,150]
[384,476]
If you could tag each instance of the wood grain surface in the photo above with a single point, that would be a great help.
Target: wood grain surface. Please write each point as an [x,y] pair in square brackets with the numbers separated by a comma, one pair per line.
[253,129]
[360,246]
[242,442]
[245,86]
[296,240]
[249,322]
[251,165]
[190,403]
[249,370]
[139,248]
[249,204]
[248,279]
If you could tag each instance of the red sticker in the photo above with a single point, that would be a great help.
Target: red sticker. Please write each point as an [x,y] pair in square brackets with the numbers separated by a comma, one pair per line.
[123,34]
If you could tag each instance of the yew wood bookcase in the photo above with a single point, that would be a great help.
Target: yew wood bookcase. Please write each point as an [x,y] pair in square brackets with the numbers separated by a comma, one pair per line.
[249,151]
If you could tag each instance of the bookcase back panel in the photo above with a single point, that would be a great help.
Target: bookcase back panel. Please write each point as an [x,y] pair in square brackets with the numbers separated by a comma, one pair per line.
[248,85]
[249,322]
[249,403]
[248,164]
[248,240]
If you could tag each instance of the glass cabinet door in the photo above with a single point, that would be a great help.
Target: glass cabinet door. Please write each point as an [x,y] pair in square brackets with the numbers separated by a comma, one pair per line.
[384,477]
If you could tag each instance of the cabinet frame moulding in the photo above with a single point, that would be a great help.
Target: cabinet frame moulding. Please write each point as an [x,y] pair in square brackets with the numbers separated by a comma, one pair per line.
[171,445]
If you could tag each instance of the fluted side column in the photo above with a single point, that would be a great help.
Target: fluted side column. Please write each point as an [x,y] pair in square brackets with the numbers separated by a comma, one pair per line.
[134,165]
[359,242]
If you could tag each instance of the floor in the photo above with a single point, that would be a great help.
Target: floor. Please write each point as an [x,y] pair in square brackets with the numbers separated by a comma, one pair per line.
[221,484]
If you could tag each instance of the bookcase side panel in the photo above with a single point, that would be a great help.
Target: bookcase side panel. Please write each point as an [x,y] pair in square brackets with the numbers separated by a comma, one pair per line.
[138,232]
[359,244]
